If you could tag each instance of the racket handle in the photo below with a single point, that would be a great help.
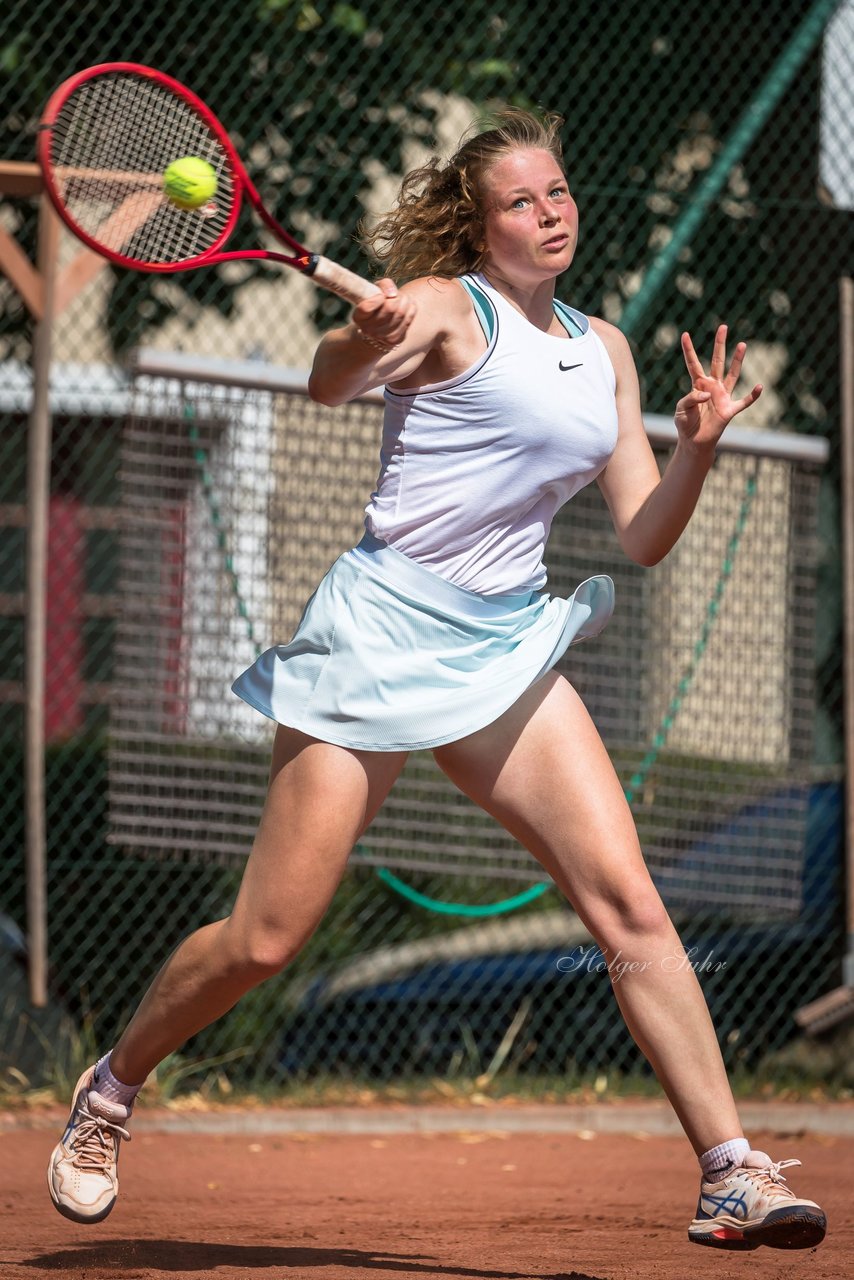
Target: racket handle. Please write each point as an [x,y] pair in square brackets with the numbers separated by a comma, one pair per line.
[337,279]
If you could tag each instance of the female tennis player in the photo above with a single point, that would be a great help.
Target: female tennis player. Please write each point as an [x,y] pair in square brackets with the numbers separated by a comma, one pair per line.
[435,632]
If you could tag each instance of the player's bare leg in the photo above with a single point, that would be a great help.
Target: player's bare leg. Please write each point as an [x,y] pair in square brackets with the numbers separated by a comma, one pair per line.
[320,799]
[543,772]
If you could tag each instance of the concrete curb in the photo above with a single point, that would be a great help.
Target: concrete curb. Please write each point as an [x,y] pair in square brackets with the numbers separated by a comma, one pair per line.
[655,1119]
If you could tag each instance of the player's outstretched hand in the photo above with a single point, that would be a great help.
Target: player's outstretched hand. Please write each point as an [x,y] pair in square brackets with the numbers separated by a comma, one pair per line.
[704,412]
[387,315]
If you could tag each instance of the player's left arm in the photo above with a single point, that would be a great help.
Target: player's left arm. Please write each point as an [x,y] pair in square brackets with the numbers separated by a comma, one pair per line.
[649,510]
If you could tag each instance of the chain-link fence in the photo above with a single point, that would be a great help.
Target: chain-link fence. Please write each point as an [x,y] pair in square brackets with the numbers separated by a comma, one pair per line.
[711,159]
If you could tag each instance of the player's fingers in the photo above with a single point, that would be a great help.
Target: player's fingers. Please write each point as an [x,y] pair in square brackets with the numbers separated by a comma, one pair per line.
[735,366]
[692,399]
[395,312]
[386,317]
[692,360]
[403,316]
[746,401]
[388,292]
[719,353]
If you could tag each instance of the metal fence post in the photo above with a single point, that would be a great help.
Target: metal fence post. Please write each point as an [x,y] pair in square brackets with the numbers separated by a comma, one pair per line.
[38,489]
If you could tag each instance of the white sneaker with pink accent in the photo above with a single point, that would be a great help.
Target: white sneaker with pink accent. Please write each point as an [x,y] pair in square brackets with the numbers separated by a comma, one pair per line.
[752,1206]
[82,1175]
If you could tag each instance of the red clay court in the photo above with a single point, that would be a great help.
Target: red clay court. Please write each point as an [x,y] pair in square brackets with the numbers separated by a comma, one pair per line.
[475,1204]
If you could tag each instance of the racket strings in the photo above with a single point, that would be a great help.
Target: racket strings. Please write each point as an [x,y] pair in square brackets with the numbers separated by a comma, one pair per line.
[111,142]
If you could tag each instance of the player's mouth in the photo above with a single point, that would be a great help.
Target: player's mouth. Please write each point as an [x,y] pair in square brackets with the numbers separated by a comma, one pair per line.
[556,242]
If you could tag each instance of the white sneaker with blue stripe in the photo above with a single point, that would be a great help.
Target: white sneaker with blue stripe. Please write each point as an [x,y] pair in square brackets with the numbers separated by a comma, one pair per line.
[751,1206]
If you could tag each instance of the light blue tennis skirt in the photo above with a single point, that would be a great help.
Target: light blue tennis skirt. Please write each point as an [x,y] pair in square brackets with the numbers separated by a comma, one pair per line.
[388,656]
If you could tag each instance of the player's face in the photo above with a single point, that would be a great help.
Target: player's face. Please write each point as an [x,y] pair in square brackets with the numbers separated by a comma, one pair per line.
[530,220]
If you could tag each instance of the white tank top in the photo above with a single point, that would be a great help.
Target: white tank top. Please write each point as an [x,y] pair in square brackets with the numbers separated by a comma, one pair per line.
[472,470]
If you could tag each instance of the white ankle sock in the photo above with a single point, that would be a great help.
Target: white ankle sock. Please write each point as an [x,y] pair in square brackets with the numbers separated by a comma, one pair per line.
[716,1163]
[111,1089]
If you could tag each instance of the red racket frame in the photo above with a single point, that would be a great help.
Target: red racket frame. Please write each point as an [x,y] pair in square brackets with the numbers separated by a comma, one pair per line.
[328,274]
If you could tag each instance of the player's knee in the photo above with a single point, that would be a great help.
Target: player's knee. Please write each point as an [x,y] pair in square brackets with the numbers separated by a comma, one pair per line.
[631,918]
[261,955]
[647,915]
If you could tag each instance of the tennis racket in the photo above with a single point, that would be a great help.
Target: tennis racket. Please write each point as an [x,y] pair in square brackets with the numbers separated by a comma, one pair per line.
[107,136]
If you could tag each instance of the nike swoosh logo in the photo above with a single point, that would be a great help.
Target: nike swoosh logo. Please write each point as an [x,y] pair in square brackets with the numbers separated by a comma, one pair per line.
[566,367]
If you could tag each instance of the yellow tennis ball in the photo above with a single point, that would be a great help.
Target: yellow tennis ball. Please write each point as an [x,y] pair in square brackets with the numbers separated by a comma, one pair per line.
[189,182]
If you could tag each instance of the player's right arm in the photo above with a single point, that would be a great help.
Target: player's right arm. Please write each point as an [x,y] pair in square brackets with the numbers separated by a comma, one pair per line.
[413,321]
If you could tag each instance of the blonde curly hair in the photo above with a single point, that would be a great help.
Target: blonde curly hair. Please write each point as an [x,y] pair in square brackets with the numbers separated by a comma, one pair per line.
[437,224]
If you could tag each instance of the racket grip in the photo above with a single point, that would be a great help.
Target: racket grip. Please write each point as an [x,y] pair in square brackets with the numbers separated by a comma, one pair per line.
[337,279]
